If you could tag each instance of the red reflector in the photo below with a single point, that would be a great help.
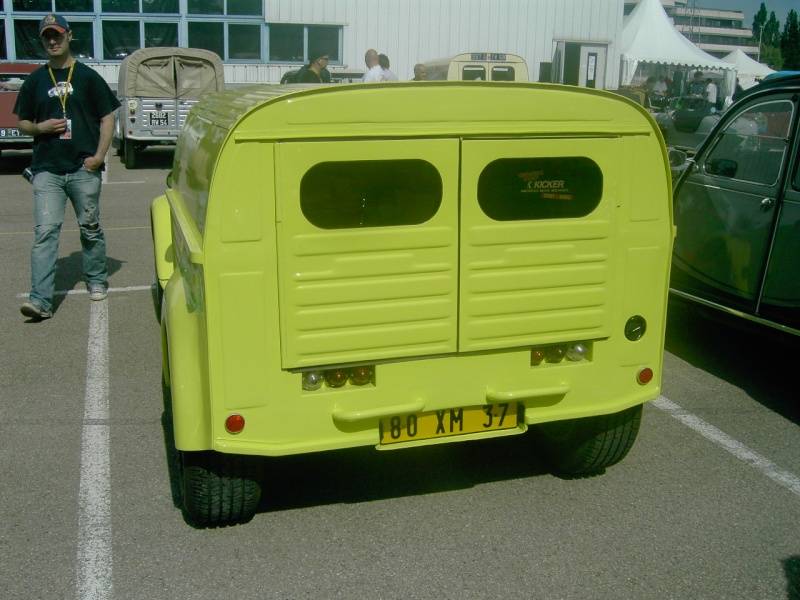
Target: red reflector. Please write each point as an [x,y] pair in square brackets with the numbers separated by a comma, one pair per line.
[645,376]
[234,424]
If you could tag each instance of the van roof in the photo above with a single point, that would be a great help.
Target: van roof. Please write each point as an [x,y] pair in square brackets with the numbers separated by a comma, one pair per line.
[395,109]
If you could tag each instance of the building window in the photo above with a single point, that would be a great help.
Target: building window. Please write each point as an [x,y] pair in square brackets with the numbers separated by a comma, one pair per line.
[160,34]
[120,38]
[82,44]
[28,46]
[208,35]
[74,6]
[245,7]
[225,7]
[120,6]
[205,7]
[160,6]
[244,42]
[292,43]
[3,49]
[32,5]
[230,28]
[376,193]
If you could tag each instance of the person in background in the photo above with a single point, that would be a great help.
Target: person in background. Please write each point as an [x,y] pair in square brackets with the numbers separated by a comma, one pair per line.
[317,64]
[68,108]
[711,92]
[383,61]
[661,87]
[698,86]
[375,73]
[420,72]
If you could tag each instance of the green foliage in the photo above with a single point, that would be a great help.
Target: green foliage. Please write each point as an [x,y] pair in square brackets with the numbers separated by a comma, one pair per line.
[772,31]
[790,43]
[780,50]
[759,21]
[772,57]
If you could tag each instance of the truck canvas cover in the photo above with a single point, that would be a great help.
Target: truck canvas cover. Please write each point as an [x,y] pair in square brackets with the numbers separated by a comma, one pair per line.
[171,73]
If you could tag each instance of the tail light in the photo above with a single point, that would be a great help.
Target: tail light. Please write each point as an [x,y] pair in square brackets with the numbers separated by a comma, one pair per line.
[556,353]
[337,378]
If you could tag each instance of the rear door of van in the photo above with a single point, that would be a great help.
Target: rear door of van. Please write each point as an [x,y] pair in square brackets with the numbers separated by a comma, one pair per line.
[396,249]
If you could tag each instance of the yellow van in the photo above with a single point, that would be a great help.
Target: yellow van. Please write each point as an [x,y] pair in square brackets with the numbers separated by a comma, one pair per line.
[341,268]
[477,66]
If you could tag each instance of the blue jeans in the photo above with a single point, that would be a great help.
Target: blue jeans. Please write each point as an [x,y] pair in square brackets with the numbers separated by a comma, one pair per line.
[50,193]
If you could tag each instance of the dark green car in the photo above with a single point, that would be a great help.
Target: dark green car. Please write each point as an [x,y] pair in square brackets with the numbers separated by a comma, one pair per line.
[737,211]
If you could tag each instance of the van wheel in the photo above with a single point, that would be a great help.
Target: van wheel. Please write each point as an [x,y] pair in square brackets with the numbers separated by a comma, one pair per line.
[129,154]
[218,489]
[580,447]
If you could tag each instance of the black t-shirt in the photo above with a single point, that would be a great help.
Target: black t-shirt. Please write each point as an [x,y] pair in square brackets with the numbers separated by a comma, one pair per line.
[89,99]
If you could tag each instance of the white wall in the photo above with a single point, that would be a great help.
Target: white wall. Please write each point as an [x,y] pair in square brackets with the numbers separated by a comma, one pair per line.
[412,31]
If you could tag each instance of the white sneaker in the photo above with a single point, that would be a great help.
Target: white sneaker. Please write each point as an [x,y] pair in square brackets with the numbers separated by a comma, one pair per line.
[97,291]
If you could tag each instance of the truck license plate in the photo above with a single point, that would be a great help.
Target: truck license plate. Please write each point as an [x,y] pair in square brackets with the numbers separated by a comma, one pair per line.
[159,118]
[451,421]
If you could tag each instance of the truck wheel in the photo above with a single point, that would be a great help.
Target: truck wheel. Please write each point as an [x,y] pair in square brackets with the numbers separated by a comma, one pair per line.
[579,447]
[218,489]
[129,154]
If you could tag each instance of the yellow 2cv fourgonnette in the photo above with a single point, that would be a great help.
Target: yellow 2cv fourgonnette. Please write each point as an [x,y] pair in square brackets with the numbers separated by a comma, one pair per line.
[404,264]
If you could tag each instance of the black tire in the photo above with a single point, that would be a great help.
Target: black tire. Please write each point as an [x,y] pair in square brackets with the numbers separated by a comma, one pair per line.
[581,447]
[218,489]
[129,154]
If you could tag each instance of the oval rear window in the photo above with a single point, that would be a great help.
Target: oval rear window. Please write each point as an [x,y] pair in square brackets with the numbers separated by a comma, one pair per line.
[523,189]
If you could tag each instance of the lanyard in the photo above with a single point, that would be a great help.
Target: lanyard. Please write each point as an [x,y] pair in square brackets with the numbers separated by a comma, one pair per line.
[62,97]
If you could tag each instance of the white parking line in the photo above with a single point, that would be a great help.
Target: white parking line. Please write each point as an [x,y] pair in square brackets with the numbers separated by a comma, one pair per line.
[788,480]
[132,288]
[94,564]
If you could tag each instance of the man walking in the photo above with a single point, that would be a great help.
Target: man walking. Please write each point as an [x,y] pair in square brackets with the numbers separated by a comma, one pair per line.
[68,108]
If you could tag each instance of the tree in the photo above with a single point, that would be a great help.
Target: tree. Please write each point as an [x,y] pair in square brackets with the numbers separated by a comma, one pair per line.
[790,43]
[772,31]
[772,57]
[758,22]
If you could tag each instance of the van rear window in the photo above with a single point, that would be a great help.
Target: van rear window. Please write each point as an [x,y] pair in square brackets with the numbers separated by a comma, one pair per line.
[473,73]
[503,74]
[375,193]
[522,189]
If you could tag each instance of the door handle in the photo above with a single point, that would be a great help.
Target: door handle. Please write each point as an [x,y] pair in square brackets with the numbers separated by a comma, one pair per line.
[766,204]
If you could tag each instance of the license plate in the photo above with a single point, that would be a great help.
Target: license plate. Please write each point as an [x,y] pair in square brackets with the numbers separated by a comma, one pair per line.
[159,118]
[7,133]
[451,421]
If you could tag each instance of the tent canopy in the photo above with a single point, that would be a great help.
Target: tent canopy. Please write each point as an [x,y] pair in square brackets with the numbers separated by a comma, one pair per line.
[648,36]
[748,69]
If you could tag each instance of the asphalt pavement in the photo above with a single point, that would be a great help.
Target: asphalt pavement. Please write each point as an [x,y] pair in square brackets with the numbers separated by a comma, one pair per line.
[706,505]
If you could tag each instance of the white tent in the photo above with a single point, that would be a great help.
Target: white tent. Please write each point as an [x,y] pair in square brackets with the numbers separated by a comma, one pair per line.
[648,36]
[748,69]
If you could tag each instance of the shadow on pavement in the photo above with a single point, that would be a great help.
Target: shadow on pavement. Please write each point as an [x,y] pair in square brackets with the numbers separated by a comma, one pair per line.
[754,358]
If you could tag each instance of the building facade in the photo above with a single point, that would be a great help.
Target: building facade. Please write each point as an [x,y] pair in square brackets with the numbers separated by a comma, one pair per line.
[571,41]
